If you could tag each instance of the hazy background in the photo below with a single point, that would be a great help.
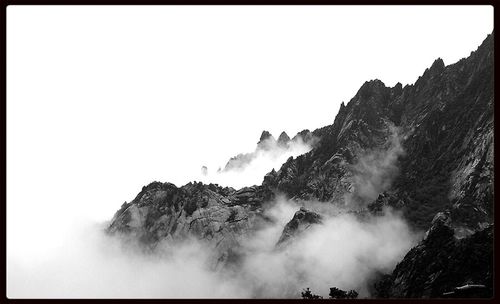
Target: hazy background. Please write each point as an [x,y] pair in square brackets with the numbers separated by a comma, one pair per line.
[104,100]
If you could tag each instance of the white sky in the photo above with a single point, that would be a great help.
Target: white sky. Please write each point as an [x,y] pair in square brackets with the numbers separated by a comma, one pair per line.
[104,100]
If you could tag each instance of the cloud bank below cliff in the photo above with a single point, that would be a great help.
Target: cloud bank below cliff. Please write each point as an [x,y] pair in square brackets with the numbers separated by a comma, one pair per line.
[344,251]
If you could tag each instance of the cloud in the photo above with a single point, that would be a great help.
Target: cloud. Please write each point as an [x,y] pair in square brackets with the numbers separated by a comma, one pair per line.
[92,264]
[344,251]
[248,169]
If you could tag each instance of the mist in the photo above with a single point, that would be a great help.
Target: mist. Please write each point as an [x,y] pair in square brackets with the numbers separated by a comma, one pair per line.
[92,264]
[344,251]
[374,170]
[248,169]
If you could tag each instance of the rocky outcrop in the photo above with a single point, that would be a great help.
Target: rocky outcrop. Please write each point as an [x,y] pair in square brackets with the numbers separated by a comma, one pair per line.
[301,221]
[283,139]
[442,264]
[266,141]
[239,162]
[385,199]
[306,136]
[265,136]
[220,216]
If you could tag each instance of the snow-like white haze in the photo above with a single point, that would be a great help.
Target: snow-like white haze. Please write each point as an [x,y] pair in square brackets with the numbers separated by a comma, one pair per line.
[251,167]
[102,100]
[91,264]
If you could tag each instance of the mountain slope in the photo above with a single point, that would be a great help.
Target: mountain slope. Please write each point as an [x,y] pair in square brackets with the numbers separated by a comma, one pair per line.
[441,263]
[445,121]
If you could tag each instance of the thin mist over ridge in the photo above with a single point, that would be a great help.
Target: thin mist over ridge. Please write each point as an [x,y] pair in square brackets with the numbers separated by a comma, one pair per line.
[374,171]
[247,169]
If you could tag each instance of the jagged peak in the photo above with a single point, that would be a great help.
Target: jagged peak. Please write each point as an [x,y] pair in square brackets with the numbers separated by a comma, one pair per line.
[266,141]
[370,87]
[283,138]
[397,89]
[485,50]
[305,135]
[488,41]
[374,83]
[436,68]
[265,135]
[437,65]
[304,132]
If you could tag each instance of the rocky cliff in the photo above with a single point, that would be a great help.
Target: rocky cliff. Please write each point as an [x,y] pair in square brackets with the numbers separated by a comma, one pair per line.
[445,126]
[442,264]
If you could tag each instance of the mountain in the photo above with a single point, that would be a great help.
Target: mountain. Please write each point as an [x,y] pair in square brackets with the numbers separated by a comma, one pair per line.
[424,149]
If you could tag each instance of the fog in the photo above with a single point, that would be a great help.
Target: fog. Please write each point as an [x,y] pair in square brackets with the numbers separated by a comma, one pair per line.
[343,251]
[374,170]
[248,169]
[91,264]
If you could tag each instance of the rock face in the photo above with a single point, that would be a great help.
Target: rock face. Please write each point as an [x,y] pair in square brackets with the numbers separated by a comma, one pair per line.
[427,149]
[444,125]
[441,263]
[302,220]
[283,139]
[220,216]
[265,136]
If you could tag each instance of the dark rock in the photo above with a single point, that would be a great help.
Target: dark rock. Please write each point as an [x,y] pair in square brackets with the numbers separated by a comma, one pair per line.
[283,139]
[302,220]
[219,216]
[265,135]
[440,263]
[266,141]
[446,130]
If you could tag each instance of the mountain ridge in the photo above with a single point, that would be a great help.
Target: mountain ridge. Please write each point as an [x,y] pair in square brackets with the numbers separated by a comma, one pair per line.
[424,149]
